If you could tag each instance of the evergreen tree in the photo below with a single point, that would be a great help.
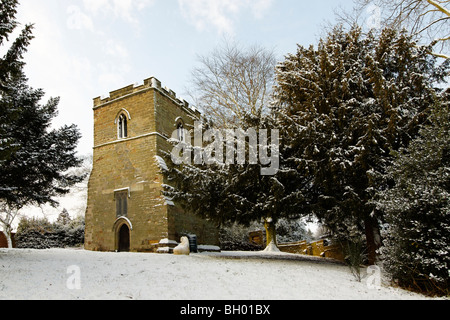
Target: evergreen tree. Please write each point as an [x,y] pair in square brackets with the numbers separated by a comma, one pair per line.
[417,245]
[63,218]
[344,106]
[233,193]
[34,160]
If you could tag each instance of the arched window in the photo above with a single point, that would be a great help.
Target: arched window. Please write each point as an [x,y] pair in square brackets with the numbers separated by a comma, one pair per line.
[180,132]
[122,127]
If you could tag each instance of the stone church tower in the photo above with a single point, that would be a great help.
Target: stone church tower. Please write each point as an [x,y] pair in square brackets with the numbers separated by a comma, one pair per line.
[126,209]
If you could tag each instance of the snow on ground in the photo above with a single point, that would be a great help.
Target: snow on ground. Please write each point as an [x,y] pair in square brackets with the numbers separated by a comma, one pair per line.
[54,274]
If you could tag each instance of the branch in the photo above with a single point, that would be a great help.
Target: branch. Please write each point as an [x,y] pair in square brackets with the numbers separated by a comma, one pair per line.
[439,55]
[440,8]
[434,22]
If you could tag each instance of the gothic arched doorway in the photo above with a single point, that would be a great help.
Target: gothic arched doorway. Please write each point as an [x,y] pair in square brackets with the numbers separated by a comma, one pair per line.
[124,238]
[122,230]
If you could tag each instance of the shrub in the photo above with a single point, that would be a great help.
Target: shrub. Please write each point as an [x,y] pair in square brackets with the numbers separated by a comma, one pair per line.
[35,233]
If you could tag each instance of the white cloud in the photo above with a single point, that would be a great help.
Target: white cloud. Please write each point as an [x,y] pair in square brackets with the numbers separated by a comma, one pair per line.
[124,9]
[78,20]
[116,49]
[260,7]
[83,18]
[221,13]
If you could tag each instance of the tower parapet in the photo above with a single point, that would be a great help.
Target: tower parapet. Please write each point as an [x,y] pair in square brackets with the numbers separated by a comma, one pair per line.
[150,83]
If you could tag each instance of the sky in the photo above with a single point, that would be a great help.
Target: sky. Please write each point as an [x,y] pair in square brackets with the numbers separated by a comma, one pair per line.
[86,48]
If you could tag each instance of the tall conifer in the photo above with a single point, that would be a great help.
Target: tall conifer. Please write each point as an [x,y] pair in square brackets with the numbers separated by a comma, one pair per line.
[345,106]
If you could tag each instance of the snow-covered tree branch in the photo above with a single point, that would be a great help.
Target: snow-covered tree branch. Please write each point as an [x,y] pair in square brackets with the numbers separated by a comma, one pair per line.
[427,19]
[344,107]
[417,246]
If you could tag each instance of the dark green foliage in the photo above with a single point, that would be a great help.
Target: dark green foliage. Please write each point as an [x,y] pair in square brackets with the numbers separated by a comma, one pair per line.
[344,107]
[417,246]
[234,193]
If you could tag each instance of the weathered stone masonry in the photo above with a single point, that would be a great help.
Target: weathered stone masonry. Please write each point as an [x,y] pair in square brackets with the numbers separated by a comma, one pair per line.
[126,209]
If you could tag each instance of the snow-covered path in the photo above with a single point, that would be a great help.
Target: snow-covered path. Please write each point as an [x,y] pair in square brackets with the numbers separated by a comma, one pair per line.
[57,273]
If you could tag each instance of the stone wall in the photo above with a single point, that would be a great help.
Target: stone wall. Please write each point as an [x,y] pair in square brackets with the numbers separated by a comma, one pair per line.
[320,248]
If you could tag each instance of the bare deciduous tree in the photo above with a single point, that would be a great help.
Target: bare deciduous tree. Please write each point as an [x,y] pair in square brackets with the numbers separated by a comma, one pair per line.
[429,19]
[232,82]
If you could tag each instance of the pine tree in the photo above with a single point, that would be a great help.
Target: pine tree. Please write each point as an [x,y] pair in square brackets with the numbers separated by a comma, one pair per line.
[417,245]
[63,218]
[34,160]
[344,106]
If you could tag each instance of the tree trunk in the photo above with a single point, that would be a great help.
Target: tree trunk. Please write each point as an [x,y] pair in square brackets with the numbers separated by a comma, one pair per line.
[271,234]
[373,239]
[8,236]
[9,240]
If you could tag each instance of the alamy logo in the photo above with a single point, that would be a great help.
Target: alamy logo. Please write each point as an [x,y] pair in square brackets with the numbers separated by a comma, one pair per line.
[374,17]
[74,280]
[374,278]
[229,147]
